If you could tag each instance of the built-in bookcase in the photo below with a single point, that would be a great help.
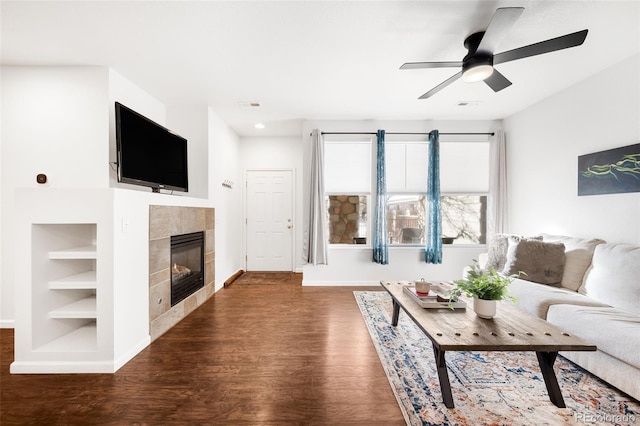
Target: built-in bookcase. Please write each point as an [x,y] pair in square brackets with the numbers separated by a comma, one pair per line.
[64,287]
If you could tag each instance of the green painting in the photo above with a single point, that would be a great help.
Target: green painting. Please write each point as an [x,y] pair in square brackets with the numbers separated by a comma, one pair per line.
[610,172]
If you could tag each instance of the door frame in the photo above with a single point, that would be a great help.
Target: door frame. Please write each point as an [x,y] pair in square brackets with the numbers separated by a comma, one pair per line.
[292,171]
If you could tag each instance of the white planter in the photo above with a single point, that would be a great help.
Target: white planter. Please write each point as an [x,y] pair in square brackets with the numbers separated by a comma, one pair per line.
[484,308]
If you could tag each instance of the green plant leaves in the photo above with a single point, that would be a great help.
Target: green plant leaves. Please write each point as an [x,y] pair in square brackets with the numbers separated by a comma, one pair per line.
[483,284]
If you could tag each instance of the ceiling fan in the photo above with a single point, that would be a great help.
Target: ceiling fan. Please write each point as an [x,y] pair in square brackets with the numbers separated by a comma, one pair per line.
[478,64]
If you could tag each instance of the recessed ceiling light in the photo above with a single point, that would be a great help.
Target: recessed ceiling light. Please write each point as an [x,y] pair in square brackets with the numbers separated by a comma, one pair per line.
[259,126]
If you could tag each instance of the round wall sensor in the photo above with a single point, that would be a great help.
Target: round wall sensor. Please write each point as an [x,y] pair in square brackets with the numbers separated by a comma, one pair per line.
[41,178]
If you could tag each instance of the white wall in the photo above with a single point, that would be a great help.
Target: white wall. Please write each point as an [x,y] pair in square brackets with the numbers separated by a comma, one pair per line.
[353,265]
[4,323]
[191,122]
[269,153]
[543,145]
[54,121]
[224,164]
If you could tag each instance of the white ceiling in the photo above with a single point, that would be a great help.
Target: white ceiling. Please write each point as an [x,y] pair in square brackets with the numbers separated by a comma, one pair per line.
[317,59]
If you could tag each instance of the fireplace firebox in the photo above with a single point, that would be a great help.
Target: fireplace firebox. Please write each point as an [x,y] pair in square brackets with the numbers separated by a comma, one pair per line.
[187,265]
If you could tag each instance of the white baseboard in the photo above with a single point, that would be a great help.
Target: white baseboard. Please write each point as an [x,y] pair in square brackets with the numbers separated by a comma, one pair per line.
[340,283]
[78,367]
[53,367]
[7,324]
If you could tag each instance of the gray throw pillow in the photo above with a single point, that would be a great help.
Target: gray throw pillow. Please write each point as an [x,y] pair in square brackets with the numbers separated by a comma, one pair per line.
[497,250]
[541,262]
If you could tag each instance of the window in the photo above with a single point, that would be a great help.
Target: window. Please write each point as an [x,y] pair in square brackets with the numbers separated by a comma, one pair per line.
[347,171]
[463,219]
[348,221]
[406,216]
[464,183]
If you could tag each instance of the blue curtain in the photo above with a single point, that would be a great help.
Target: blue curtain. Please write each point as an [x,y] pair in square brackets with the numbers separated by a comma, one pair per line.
[380,246]
[433,247]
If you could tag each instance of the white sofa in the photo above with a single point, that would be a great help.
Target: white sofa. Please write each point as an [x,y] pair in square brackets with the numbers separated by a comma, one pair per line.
[598,299]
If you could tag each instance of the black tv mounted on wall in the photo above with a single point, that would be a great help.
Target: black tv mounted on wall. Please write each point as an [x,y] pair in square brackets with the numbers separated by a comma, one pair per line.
[149,154]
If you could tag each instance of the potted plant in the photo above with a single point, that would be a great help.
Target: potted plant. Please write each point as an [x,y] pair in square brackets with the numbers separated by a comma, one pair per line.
[486,287]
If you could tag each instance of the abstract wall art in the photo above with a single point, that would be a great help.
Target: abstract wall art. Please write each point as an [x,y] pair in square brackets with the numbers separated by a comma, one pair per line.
[612,171]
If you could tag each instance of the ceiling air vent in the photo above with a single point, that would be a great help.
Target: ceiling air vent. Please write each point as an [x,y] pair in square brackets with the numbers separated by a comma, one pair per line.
[245,104]
[468,103]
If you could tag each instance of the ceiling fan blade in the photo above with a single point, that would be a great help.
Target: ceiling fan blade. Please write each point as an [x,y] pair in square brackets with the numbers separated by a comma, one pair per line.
[421,65]
[497,81]
[501,22]
[441,86]
[551,45]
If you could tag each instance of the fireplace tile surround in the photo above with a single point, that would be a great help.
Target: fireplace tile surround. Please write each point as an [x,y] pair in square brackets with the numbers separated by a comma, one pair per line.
[165,221]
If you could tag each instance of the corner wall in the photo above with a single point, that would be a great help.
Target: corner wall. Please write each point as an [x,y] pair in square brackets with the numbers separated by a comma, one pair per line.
[190,122]
[224,164]
[543,145]
[54,121]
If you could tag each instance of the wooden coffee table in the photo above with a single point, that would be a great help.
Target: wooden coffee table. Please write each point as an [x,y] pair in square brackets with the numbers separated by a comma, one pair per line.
[510,330]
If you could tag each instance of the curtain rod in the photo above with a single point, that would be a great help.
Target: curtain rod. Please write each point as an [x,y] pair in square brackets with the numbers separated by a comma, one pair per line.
[400,133]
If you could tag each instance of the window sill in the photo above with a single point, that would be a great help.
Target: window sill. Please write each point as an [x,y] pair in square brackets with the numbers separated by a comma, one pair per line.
[404,247]
[349,246]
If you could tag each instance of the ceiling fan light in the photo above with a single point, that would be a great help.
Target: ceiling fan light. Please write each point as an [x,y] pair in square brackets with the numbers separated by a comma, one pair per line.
[477,73]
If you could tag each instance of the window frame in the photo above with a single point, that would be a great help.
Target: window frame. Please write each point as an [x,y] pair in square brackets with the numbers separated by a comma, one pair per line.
[369,235]
[424,194]
[371,195]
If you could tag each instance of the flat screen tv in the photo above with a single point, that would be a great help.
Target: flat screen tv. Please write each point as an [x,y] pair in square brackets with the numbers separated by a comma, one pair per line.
[148,153]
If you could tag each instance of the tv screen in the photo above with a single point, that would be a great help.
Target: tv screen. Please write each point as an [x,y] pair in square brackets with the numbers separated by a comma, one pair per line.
[148,153]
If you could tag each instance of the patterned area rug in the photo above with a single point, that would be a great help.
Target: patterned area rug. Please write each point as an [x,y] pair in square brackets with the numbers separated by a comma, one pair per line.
[489,388]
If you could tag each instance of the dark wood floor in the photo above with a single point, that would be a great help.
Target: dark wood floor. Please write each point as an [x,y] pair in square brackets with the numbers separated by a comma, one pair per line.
[274,354]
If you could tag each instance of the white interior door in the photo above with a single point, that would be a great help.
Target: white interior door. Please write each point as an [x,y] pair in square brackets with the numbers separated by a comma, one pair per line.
[269,220]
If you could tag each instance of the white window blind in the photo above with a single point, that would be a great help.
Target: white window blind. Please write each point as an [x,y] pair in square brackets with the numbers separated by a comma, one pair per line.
[464,167]
[347,167]
[406,166]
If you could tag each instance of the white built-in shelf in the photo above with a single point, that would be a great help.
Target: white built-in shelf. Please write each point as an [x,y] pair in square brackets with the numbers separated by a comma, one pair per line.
[82,339]
[83,308]
[86,252]
[83,280]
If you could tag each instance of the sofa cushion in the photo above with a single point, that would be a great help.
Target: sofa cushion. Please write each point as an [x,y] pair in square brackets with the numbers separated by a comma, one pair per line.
[541,262]
[537,298]
[613,331]
[614,277]
[578,254]
[497,250]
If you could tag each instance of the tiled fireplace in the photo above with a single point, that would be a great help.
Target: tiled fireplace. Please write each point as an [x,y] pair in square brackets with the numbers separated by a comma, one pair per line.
[166,222]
